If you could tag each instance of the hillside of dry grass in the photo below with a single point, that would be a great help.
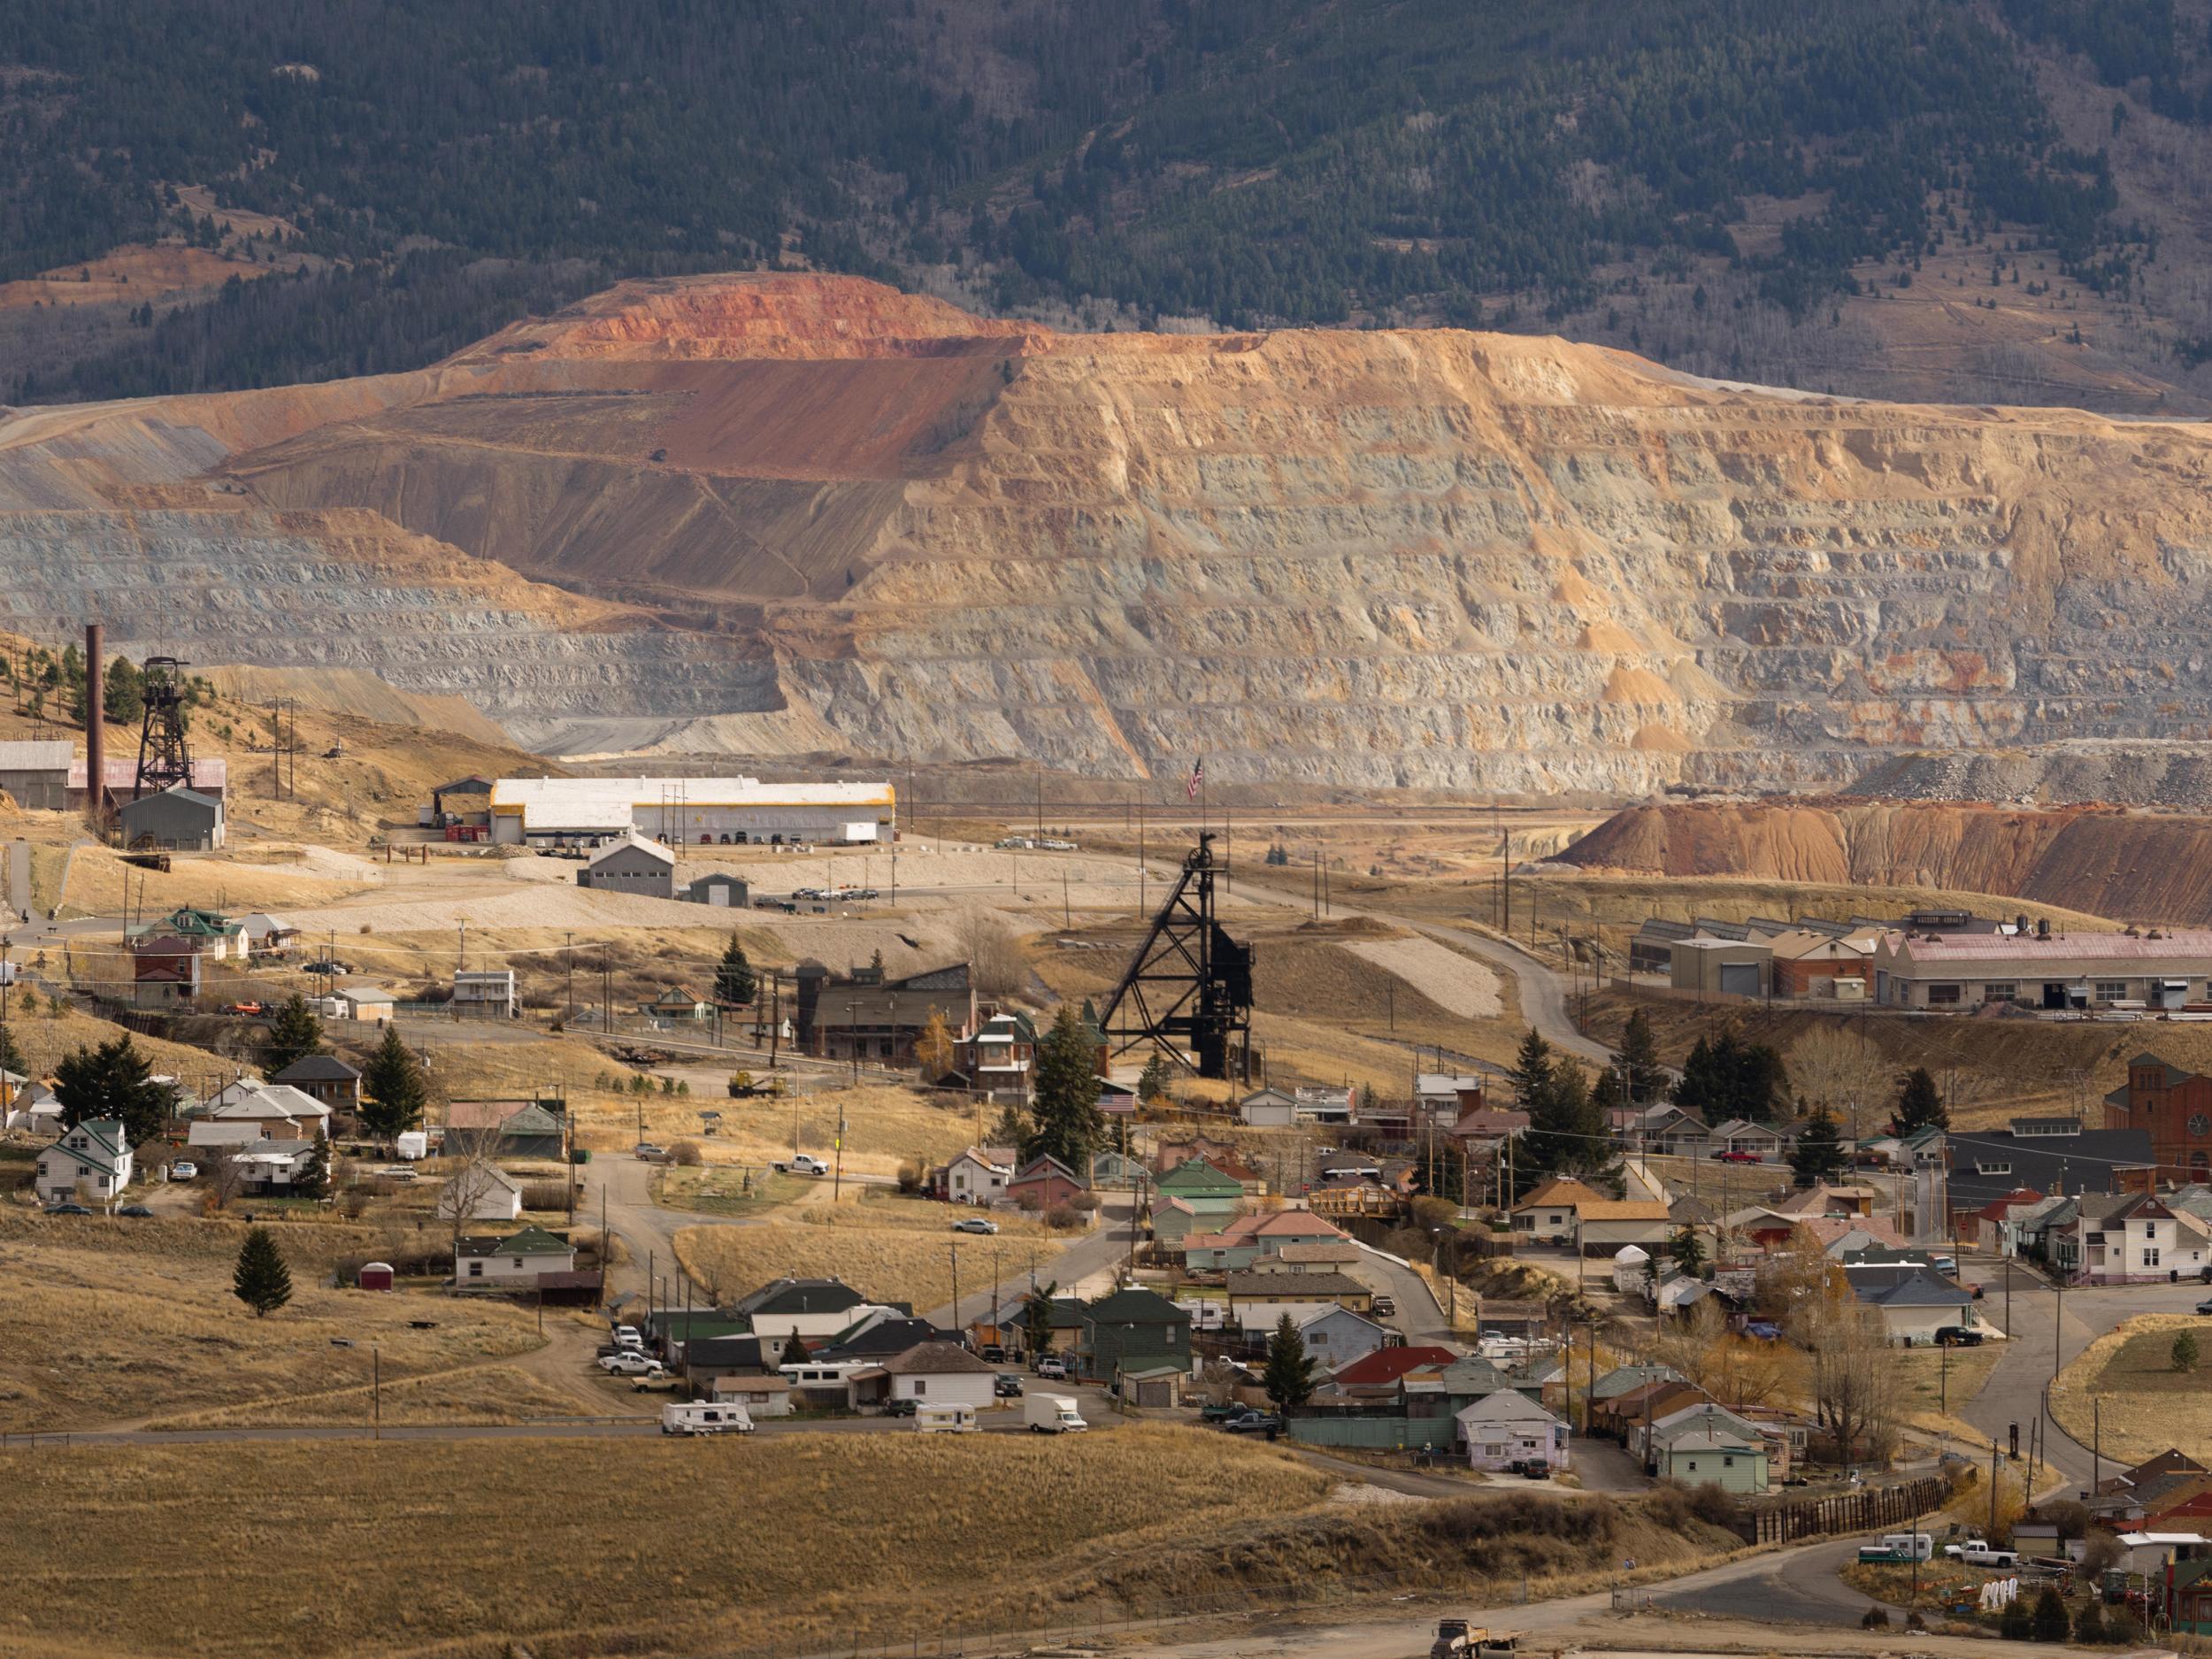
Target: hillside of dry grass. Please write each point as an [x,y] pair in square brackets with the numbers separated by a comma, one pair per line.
[669,1546]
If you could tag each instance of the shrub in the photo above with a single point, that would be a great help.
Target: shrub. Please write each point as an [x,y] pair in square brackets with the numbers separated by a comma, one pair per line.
[2014,1624]
[1027,1202]
[2049,1622]
[1084,1201]
[1876,1618]
[910,1178]
[2089,1624]
[1913,1621]
[2184,1352]
[1060,1217]
[546,1195]
[1713,1506]
[688,1153]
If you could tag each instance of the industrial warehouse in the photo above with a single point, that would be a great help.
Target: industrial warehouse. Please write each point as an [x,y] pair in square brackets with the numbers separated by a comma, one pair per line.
[691,811]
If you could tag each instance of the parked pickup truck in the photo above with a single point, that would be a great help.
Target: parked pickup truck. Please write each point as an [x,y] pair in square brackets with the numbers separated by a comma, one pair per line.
[800,1163]
[1975,1552]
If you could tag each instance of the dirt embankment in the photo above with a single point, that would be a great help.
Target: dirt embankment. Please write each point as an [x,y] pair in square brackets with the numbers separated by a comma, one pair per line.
[2129,865]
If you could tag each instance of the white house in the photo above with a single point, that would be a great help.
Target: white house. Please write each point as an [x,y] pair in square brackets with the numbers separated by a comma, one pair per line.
[91,1162]
[250,1110]
[271,1166]
[941,1374]
[1269,1108]
[1550,1214]
[2138,1238]
[974,1179]
[512,1263]
[268,935]
[1507,1427]
[496,1197]
[1335,1337]
[34,1107]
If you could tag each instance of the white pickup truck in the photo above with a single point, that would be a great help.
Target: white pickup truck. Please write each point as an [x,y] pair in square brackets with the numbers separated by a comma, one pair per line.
[1976,1552]
[800,1163]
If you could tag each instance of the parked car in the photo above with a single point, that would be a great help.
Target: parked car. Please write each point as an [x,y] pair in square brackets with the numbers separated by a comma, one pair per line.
[1221,1413]
[1737,1158]
[975,1223]
[245,1007]
[800,1163]
[1763,1329]
[67,1210]
[1386,1306]
[1254,1422]
[992,1354]
[648,1152]
[656,1382]
[1958,1336]
[1007,1385]
[184,1170]
[1976,1552]
[628,1364]
[2205,1306]
[134,1211]
[1054,1367]
[898,1407]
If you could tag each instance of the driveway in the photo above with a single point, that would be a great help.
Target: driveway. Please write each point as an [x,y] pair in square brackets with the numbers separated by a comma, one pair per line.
[1417,1314]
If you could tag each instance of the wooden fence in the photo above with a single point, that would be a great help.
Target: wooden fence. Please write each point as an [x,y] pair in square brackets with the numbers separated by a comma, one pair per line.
[1868,1509]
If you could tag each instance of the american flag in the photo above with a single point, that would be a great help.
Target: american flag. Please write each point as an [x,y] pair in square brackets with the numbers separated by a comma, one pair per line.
[1197,779]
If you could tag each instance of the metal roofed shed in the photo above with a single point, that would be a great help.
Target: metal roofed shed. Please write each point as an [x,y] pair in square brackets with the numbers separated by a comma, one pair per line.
[176,819]
[692,811]
[36,774]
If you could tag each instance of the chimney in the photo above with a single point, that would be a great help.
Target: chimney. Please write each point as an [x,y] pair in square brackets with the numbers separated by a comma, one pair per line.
[94,701]
[2042,927]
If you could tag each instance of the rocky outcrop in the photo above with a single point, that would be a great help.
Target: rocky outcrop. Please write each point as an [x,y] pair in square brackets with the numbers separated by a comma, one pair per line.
[781,512]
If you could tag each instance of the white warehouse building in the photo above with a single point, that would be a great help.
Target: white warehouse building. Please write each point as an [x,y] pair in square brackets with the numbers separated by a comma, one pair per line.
[692,811]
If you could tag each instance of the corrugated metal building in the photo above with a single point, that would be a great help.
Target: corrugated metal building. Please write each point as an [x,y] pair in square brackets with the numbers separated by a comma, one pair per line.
[36,774]
[692,811]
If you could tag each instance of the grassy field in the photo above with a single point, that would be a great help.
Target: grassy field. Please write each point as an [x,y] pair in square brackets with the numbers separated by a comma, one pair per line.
[651,1546]
[885,1127]
[1924,1400]
[710,1190]
[2148,1405]
[125,1322]
[893,1249]
[642,1546]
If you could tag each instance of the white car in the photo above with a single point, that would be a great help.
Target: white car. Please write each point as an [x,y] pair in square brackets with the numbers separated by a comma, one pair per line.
[184,1170]
[631,1365]
[975,1223]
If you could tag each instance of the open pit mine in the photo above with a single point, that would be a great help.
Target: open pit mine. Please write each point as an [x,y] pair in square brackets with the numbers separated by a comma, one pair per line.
[783,515]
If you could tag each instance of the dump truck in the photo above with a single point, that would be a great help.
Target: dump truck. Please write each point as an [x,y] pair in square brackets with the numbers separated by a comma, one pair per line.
[1456,1639]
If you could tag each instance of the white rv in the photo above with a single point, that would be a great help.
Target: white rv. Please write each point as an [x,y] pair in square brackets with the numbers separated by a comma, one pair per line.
[945,1419]
[705,1419]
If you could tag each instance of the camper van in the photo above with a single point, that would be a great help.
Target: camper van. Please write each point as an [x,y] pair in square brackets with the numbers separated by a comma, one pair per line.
[1898,1546]
[705,1419]
[1052,1414]
[945,1419]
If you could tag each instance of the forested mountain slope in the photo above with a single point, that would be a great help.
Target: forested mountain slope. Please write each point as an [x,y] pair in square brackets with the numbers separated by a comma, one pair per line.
[1920,198]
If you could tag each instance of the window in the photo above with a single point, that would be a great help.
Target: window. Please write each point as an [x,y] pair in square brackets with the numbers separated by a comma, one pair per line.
[1999,992]
[921,1387]
[1943,996]
[2199,1123]
[1728,1461]
[2112,990]
[476,1270]
[2150,1255]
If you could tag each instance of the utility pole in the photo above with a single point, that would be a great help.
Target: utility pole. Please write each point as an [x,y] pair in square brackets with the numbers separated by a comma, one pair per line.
[955,1292]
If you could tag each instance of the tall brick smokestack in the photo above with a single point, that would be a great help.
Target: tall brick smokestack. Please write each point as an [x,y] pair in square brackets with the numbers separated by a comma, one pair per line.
[95,677]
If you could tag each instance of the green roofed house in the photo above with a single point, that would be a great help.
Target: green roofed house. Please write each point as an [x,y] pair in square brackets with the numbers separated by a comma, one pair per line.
[217,937]
[1212,1197]
[512,1263]
[1131,1331]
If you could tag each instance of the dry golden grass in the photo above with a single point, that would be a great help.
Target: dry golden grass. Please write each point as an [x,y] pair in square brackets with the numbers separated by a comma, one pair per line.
[884,1126]
[110,1327]
[648,1544]
[890,1250]
[251,878]
[1924,1401]
[2148,1405]
[46,1038]
[469,1394]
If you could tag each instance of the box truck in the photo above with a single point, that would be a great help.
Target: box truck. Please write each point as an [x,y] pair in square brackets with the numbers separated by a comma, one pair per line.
[1052,1414]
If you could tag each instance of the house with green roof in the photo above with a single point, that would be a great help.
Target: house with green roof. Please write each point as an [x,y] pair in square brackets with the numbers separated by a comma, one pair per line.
[217,936]
[512,1263]
[1132,1330]
[1204,1194]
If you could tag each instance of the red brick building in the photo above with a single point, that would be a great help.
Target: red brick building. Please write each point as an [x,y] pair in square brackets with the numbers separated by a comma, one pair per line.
[2175,1108]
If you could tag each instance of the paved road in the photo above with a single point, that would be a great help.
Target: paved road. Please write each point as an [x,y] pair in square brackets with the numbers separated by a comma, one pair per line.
[1798,1586]
[1096,1250]
[1419,1313]
[2014,1393]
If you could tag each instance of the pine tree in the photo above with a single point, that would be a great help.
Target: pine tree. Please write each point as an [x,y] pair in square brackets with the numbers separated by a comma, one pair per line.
[1013,1128]
[261,1280]
[1532,1067]
[1288,1376]
[793,1351]
[294,1034]
[10,1056]
[1037,1317]
[1067,1124]
[2184,1352]
[1688,1250]
[1819,1150]
[393,1091]
[1639,1059]
[2050,1623]
[1919,1105]
[312,1178]
[1156,1080]
[114,1080]
[734,982]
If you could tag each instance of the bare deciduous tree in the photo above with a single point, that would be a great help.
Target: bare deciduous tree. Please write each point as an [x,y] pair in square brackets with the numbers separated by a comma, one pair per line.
[994,955]
[471,1175]
[1835,1067]
[1854,1385]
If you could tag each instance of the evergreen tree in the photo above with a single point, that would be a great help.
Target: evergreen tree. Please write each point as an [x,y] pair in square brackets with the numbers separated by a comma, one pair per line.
[1156,1080]
[114,1080]
[1688,1250]
[294,1034]
[734,982]
[2049,1622]
[261,1280]
[2184,1352]
[1037,1317]
[1724,1077]
[1288,1376]
[1067,1124]
[1012,1128]
[1607,1092]
[123,695]
[1567,1132]
[1639,1060]
[391,1087]
[10,1056]
[793,1351]
[1919,1105]
[1532,1067]
[312,1179]
[1819,1150]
